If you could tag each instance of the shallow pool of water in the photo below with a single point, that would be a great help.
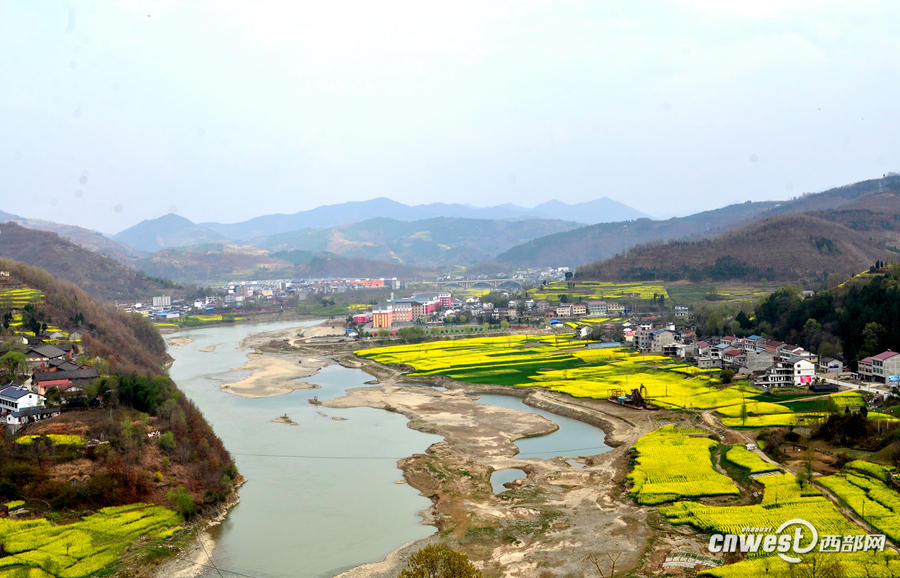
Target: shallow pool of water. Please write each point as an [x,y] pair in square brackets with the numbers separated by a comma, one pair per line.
[500,477]
[573,438]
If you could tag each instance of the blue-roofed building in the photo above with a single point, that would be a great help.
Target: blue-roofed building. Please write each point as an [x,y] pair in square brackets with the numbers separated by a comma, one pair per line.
[14,400]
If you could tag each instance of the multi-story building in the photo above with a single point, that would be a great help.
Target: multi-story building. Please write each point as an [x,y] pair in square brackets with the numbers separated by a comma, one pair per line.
[864,368]
[383,316]
[615,309]
[563,310]
[579,309]
[795,371]
[596,308]
[885,366]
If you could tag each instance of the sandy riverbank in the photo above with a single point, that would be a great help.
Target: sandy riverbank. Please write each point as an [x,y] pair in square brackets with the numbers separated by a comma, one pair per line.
[554,519]
[273,375]
[178,341]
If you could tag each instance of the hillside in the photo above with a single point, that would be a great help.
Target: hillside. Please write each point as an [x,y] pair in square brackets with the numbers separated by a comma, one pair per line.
[128,343]
[98,275]
[157,446]
[586,244]
[434,242]
[858,318]
[593,243]
[166,231]
[784,248]
[595,211]
[85,238]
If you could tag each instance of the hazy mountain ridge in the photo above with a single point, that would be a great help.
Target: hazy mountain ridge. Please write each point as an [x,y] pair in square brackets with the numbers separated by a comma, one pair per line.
[426,243]
[602,209]
[215,262]
[170,230]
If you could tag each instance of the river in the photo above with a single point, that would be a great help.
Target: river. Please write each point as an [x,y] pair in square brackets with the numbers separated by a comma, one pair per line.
[321,496]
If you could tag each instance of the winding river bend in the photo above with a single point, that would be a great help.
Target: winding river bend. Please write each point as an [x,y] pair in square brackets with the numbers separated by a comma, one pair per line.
[320,496]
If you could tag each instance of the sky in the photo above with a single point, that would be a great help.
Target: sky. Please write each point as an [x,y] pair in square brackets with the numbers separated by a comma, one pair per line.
[116,112]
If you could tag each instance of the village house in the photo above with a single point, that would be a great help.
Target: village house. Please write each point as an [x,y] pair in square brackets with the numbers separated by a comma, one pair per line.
[597,308]
[795,371]
[831,365]
[758,360]
[864,368]
[41,355]
[615,309]
[660,339]
[886,365]
[579,309]
[20,405]
[563,310]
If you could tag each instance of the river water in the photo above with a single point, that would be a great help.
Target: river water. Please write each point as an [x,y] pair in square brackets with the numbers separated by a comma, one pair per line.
[320,496]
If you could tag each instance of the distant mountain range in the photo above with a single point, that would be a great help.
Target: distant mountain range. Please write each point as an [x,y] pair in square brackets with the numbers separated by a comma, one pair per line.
[175,231]
[846,227]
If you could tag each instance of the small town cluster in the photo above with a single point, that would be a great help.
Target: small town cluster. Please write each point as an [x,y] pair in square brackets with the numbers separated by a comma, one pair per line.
[53,372]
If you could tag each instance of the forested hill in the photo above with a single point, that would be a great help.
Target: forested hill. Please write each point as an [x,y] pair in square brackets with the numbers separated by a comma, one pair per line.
[867,206]
[787,248]
[588,244]
[100,276]
[855,320]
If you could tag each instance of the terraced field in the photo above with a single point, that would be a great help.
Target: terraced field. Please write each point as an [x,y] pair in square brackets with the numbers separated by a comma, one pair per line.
[861,486]
[85,548]
[19,298]
[682,468]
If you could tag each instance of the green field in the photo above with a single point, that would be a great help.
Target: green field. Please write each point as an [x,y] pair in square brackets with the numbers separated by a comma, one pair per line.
[583,291]
[696,294]
[85,548]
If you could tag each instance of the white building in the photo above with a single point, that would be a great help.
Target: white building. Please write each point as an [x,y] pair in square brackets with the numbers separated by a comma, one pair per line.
[796,371]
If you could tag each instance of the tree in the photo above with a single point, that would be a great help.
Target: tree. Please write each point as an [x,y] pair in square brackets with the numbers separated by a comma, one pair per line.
[15,364]
[53,397]
[873,335]
[743,412]
[726,375]
[439,561]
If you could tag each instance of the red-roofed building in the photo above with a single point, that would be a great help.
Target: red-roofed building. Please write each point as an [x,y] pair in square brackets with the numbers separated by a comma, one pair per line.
[864,368]
[886,366]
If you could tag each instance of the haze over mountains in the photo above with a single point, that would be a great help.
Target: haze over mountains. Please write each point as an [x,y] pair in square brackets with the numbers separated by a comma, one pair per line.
[839,230]
[175,231]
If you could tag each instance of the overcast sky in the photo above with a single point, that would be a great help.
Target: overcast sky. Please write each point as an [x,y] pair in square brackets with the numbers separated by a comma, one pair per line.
[115,112]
